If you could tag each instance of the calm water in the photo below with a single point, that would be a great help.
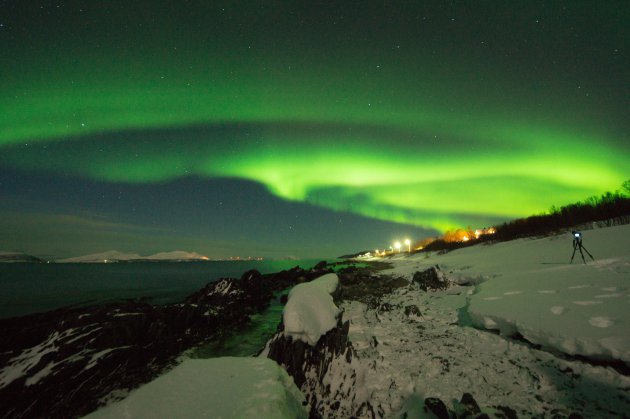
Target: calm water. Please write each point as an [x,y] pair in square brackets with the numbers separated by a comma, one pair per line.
[30,288]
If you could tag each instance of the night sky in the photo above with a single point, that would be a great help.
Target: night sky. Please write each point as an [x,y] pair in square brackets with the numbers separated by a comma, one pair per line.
[306,129]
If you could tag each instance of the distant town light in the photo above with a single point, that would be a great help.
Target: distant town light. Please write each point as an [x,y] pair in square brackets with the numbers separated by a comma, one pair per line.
[397,246]
[408,243]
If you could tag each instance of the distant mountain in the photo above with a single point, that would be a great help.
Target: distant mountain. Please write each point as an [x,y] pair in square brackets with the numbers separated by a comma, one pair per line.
[177,255]
[116,256]
[17,257]
[105,257]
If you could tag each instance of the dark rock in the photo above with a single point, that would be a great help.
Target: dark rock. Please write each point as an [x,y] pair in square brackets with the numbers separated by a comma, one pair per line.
[431,279]
[469,407]
[575,416]
[506,412]
[385,307]
[359,284]
[321,265]
[251,275]
[437,407]
[412,310]
[311,365]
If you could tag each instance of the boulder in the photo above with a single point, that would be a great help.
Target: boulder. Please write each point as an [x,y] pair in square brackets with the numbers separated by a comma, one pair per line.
[313,368]
[436,407]
[468,407]
[431,279]
[412,310]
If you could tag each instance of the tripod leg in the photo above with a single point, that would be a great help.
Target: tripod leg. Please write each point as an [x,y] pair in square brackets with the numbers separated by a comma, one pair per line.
[583,260]
[573,255]
[589,253]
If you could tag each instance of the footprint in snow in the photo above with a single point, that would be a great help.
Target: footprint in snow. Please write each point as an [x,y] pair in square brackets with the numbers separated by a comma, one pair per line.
[546,291]
[600,322]
[587,303]
[576,287]
[512,292]
[608,295]
[492,298]
[557,310]
[610,289]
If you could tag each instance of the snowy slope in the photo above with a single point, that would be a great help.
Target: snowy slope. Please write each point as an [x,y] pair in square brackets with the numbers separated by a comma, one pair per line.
[214,388]
[531,288]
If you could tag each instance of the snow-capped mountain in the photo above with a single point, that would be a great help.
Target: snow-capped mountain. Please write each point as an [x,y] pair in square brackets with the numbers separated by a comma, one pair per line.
[15,257]
[116,256]
[104,257]
[177,255]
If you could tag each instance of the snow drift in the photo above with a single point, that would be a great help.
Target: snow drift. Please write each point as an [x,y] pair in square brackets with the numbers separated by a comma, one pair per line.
[219,388]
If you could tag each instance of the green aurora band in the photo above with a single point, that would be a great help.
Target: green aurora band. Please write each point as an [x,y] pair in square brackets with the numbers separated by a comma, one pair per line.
[411,143]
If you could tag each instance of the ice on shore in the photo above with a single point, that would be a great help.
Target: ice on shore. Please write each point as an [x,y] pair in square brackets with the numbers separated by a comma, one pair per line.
[214,388]
[310,311]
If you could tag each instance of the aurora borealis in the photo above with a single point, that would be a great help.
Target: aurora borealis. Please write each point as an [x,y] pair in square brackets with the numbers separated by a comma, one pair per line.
[315,123]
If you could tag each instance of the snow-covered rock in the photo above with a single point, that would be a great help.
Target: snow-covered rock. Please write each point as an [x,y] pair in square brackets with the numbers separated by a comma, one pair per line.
[328,373]
[220,388]
[310,311]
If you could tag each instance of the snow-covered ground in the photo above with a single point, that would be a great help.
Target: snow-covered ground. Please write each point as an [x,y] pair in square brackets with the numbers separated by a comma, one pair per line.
[526,286]
[530,287]
[214,388]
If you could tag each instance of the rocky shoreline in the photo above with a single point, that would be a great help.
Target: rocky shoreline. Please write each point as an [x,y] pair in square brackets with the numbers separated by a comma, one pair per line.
[330,373]
[395,340]
[401,348]
[68,362]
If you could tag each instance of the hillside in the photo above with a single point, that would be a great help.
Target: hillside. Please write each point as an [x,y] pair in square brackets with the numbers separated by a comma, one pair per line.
[17,257]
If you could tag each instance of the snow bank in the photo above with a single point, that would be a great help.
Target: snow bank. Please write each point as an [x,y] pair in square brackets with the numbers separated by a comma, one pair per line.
[218,388]
[576,309]
[310,311]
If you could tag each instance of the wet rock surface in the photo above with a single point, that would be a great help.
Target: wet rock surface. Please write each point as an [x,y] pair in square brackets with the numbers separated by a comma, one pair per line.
[67,362]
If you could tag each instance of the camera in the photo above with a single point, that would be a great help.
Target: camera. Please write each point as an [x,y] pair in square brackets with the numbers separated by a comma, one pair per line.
[577,244]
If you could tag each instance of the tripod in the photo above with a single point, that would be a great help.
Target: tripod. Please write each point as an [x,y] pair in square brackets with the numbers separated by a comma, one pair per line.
[577,244]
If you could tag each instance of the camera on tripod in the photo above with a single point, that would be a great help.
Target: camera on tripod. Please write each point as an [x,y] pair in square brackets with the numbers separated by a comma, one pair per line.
[577,245]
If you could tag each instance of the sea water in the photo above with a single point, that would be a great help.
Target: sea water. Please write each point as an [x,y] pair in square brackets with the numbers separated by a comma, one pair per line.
[27,288]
